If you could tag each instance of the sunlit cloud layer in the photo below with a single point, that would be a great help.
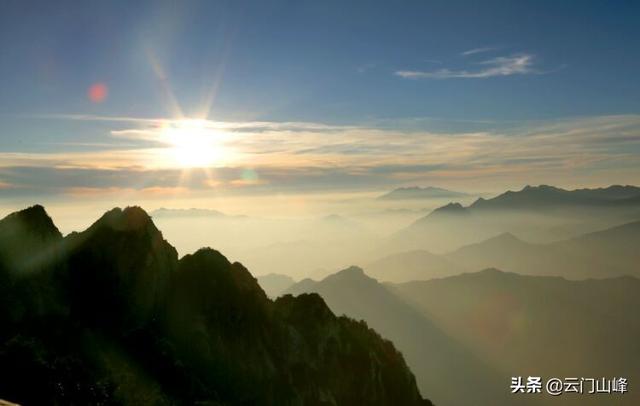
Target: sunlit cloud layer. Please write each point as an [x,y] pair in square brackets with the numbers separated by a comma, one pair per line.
[271,156]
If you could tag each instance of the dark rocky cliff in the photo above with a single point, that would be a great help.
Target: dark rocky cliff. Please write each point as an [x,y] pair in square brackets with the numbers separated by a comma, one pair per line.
[112,316]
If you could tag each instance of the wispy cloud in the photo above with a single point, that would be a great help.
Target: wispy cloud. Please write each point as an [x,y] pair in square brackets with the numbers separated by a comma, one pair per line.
[365,67]
[477,51]
[151,122]
[313,155]
[517,64]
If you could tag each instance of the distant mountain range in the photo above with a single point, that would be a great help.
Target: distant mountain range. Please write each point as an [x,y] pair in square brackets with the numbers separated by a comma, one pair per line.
[412,265]
[545,197]
[416,193]
[187,213]
[483,328]
[274,284]
[541,214]
[440,364]
[112,316]
[540,326]
[293,245]
[607,253]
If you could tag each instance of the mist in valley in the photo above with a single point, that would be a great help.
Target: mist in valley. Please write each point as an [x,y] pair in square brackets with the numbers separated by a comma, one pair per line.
[419,238]
[319,203]
[530,281]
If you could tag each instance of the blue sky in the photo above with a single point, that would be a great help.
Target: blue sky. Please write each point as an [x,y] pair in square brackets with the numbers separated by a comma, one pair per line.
[447,67]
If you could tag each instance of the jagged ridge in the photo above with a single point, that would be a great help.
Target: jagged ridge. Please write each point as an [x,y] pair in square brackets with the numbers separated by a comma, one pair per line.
[127,322]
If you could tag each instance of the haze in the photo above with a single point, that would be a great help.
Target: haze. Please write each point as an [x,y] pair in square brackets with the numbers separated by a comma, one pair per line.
[453,173]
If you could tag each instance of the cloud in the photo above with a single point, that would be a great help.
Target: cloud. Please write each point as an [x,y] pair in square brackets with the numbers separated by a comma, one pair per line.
[96,192]
[517,64]
[365,67]
[314,156]
[158,123]
[477,51]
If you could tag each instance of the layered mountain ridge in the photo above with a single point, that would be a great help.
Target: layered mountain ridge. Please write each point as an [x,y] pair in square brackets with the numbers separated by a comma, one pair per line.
[416,193]
[540,214]
[481,328]
[111,315]
[544,196]
[600,254]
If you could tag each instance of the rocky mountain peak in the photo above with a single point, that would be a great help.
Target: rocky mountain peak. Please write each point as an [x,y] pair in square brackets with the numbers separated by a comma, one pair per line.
[33,220]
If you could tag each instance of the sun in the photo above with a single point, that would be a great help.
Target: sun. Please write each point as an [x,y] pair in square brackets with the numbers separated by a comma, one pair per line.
[193,144]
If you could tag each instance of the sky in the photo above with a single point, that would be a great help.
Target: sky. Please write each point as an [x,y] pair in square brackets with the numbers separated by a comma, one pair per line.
[192,99]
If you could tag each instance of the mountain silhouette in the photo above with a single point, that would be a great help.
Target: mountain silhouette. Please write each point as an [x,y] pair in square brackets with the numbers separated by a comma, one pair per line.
[111,315]
[465,336]
[545,196]
[26,237]
[540,326]
[416,192]
[274,284]
[412,265]
[601,254]
[446,370]
[538,213]
[29,243]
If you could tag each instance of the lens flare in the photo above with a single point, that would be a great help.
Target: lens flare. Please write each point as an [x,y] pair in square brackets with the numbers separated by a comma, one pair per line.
[97,92]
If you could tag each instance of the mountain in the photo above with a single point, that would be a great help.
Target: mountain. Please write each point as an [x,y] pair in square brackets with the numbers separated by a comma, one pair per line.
[274,284]
[544,197]
[412,265]
[601,254]
[340,221]
[536,213]
[611,252]
[506,251]
[480,329]
[111,315]
[23,234]
[440,364]
[540,326]
[118,270]
[29,244]
[336,224]
[453,209]
[614,249]
[444,228]
[416,192]
[292,246]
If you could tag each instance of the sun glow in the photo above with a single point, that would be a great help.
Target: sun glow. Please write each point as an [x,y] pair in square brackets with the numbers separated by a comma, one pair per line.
[192,144]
